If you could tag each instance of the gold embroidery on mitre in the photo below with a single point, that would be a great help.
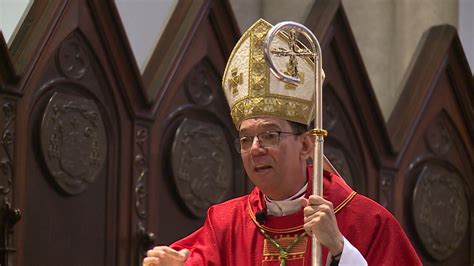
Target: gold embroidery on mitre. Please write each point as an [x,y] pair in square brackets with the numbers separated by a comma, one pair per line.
[254,97]
[282,107]
[259,73]
[235,80]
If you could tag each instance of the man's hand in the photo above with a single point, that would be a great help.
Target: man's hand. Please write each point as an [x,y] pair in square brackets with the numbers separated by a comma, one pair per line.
[164,255]
[319,219]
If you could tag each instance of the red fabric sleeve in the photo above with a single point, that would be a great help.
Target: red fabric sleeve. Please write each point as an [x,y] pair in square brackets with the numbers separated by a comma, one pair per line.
[390,245]
[376,233]
[202,244]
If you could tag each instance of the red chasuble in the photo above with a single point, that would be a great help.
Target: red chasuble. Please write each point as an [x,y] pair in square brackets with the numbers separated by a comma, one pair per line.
[232,236]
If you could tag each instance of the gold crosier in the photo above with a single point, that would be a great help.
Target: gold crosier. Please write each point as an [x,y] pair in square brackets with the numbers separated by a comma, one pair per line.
[319,133]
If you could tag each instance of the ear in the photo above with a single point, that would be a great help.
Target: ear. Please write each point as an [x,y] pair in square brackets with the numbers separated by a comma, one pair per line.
[307,146]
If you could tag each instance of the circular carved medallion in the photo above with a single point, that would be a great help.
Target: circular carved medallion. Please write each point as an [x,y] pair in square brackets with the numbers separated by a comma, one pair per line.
[440,211]
[72,59]
[438,137]
[201,165]
[199,84]
[73,141]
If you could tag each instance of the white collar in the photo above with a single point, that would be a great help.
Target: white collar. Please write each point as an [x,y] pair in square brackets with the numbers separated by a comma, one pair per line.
[286,206]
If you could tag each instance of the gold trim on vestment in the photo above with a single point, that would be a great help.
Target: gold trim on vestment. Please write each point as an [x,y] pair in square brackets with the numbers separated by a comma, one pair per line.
[298,249]
[296,228]
[345,202]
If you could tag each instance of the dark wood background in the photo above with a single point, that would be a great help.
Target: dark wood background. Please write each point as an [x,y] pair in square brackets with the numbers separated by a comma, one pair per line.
[99,163]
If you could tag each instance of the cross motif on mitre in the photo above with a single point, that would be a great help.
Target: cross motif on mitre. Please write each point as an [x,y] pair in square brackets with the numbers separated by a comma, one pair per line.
[235,80]
[293,52]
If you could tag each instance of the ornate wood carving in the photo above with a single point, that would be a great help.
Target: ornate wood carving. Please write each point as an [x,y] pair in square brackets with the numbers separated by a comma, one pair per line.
[141,165]
[440,210]
[78,49]
[72,59]
[73,141]
[9,216]
[195,96]
[174,42]
[202,165]
[438,138]
[386,188]
[201,159]
[199,84]
[8,114]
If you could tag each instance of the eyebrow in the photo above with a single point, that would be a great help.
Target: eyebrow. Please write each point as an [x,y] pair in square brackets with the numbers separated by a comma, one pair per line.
[266,127]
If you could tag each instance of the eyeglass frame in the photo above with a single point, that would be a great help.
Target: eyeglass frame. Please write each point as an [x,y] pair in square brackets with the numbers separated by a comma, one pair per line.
[238,146]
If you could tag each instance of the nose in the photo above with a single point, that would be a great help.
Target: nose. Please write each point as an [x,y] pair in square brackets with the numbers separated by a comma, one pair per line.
[256,147]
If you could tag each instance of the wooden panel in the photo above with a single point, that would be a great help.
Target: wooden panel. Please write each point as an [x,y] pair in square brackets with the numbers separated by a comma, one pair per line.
[421,168]
[7,70]
[171,47]
[354,102]
[192,149]
[431,129]
[9,212]
[71,178]
[73,138]
[85,130]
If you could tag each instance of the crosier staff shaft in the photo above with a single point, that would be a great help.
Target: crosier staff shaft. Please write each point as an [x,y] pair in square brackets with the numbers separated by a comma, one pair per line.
[318,131]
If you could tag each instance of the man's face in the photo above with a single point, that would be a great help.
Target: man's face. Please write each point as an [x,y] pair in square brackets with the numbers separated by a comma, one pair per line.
[279,172]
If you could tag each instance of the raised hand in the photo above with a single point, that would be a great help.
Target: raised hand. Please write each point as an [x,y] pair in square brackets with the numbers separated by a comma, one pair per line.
[164,255]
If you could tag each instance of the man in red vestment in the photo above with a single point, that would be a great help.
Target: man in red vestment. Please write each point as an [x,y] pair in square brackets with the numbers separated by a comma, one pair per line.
[273,224]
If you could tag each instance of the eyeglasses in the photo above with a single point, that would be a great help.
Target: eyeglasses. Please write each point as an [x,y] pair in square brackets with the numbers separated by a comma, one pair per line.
[266,139]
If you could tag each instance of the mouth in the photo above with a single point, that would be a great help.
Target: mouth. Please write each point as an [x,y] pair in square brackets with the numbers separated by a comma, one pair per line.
[261,168]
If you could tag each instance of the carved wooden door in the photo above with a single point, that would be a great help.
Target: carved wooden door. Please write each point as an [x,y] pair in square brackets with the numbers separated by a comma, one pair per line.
[71,137]
[97,160]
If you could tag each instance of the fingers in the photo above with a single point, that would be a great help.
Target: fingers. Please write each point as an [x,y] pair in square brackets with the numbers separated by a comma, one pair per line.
[322,208]
[320,220]
[184,253]
[304,202]
[164,255]
[317,204]
[318,215]
[151,261]
[314,200]
[309,223]
[167,252]
[317,219]
[317,200]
